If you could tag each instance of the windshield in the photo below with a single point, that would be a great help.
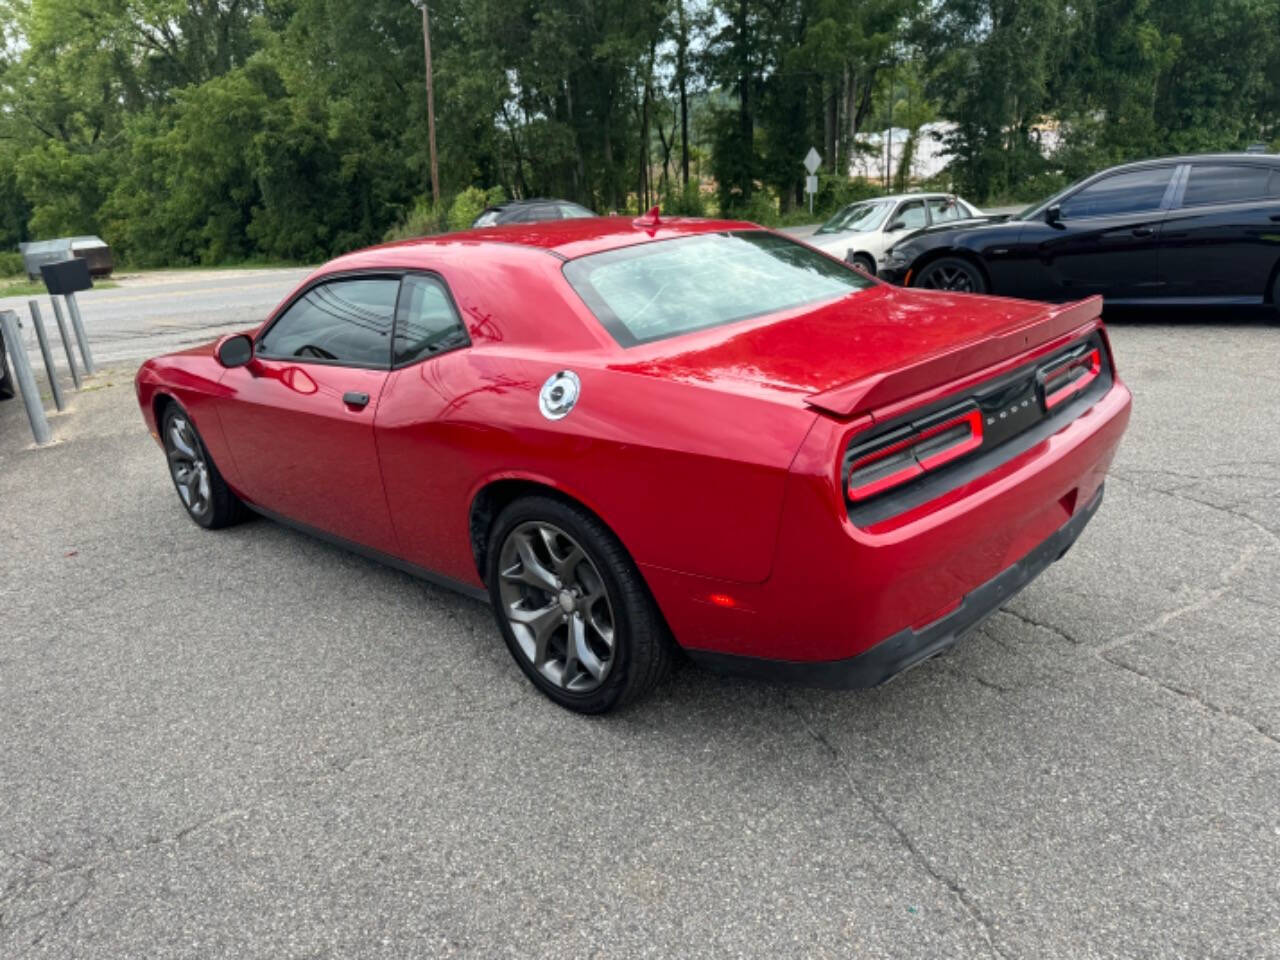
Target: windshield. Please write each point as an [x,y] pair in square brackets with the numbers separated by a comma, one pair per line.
[857,217]
[656,290]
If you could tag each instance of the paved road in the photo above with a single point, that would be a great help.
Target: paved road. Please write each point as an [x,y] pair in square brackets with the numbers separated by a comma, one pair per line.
[152,314]
[253,744]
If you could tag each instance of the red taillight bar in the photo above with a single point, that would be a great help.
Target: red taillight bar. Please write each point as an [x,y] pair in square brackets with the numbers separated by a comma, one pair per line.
[916,465]
[1092,359]
[974,419]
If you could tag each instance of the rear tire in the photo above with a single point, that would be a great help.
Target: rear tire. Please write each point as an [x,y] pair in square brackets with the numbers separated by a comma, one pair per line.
[572,607]
[201,490]
[953,274]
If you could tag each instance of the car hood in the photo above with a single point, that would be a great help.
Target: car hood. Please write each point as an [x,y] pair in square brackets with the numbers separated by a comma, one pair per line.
[803,353]
[976,224]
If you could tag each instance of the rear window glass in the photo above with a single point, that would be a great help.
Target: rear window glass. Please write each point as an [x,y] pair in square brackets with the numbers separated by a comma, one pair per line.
[1229,183]
[652,291]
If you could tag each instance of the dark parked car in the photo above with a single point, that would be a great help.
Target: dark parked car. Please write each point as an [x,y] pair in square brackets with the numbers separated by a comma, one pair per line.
[1180,230]
[6,383]
[535,210]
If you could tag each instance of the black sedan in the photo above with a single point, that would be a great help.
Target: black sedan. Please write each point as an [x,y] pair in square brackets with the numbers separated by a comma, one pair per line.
[534,210]
[1201,230]
[6,382]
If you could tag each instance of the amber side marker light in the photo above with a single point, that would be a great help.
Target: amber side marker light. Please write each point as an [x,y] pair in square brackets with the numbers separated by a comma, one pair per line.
[905,454]
[1062,382]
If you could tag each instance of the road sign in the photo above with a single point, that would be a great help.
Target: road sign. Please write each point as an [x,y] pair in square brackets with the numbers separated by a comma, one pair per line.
[812,160]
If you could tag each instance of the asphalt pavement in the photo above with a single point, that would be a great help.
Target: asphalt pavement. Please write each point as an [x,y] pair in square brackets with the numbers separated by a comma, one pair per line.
[159,312]
[252,744]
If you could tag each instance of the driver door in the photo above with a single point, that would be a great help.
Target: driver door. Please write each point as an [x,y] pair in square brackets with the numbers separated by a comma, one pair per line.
[299,417]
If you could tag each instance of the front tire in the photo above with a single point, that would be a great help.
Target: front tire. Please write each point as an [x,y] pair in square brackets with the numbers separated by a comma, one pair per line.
[572,607]
[864,262]
[953,274]
[202,491]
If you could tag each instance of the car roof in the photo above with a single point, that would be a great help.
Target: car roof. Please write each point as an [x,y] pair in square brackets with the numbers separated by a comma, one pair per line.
[1239,157]
[566,239]
[918,195]
[530,201]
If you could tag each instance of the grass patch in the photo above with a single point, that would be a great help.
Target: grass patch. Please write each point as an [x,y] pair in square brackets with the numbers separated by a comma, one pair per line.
[22,287]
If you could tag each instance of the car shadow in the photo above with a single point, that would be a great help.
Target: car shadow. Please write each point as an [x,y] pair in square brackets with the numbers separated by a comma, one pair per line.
[1261,316]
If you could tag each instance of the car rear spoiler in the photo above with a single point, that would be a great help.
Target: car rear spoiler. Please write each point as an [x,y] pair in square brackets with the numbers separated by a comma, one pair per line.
[881,389]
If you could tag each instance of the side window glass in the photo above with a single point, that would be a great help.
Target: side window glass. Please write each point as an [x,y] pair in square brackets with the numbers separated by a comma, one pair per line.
[426,322]
[344,321]
[942,209]
[1136,191]
[1228,183]
[911,215]
[569,211]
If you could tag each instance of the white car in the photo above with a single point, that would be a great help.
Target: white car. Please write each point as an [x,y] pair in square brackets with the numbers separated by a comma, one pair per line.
[861,232]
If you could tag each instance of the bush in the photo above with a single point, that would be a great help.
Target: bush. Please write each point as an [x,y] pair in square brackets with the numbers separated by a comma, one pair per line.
[422,220]
[467,205]
[11,264]
[686,202]
[835,191]
[762,208]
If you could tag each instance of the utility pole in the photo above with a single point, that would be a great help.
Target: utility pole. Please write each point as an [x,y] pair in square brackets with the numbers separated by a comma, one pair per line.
[431,103]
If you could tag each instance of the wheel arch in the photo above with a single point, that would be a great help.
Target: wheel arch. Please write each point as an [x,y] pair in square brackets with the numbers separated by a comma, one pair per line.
[959,253]
[492,496]
[875,261]
[161,401]
[1270,292]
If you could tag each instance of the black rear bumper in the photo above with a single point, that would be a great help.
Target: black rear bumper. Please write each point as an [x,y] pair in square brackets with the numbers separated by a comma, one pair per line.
[909,647]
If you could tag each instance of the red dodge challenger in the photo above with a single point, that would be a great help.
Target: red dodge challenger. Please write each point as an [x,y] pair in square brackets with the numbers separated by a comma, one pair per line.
[629,435]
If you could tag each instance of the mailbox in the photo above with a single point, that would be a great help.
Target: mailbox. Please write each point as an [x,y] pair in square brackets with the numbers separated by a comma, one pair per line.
[66,276]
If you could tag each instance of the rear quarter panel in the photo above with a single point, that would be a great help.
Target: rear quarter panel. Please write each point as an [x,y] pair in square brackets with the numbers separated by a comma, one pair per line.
[689,478]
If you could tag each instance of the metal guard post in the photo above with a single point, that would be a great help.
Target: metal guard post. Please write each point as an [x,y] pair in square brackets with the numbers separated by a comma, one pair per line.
[49,368]
[17,350]
[66,341]
[78,325]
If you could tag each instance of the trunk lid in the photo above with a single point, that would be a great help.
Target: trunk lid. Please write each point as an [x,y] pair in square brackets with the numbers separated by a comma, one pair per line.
[862,351]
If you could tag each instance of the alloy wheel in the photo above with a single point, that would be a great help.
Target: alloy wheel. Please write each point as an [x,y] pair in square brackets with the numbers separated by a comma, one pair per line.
[557,605]
[188,465]
[956,278]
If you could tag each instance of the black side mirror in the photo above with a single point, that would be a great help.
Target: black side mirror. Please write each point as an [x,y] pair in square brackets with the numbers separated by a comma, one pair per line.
[895,227]
[1053,215]
[235,350]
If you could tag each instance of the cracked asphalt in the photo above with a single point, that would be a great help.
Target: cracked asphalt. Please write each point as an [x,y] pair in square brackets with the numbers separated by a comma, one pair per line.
[253,744]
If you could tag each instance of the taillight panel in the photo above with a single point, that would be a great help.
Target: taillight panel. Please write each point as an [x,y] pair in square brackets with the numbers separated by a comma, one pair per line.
[1062,379]
[896,458]
[924,454]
